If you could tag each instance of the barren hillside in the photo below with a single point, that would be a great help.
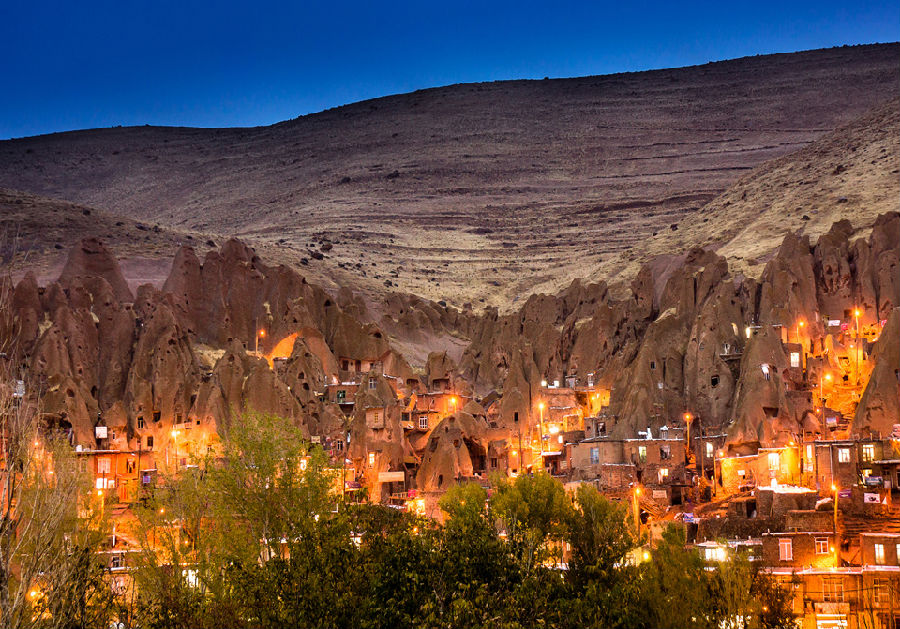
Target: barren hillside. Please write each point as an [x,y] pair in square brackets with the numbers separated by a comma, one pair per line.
[482,192]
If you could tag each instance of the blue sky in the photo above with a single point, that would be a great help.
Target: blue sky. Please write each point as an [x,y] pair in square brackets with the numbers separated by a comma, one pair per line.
[70,65]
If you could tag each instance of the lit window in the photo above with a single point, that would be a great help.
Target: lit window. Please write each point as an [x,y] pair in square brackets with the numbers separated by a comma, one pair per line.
[774,461]
[833,590]
[879,554]
[103,465]
[795,359]
[809,464]
[642,453]
[843,455]
[821,545]
[423,422]
[663,474]
[595,456]
[709,449]
[785,549]
[868,452]
[371,458]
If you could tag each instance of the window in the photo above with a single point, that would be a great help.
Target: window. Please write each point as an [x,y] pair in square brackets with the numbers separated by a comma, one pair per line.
[157,415]
[774,461]
[785,549]
[116,561]
[493,462]
[373,384]
[795,359]
[709,449]
[140,421]
[423,422]
[595,455]
[663,474]
[642,453]
[868,452]
[714,381]
[833,590]
[665,452]
[821,545]
[371,458]
[129,466]
[341,396]
[652,364]
[150,442]
[879,554]
[843,455]
[809,462]
[882,592]
[103,465]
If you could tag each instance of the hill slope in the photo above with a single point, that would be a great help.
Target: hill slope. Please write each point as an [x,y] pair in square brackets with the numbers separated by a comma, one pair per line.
[469,192]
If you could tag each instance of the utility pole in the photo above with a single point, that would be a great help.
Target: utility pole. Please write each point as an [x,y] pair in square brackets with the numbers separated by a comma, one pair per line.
[634,502]
[521,454]
[837,545]
[541,442]
[856,314]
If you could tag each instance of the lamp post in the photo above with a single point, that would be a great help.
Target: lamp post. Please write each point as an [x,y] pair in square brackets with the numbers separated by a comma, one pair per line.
[716,454]
[634,502]
[687,420]
[800,324]
[822,379]
[856,314]
[836,544]
[260,334]
[541,443]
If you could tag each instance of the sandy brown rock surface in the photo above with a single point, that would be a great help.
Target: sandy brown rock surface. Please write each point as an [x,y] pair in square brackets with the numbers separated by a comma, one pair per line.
[486,193]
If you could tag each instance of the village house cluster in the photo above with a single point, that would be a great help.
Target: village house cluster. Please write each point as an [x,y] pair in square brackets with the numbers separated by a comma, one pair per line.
[816,508]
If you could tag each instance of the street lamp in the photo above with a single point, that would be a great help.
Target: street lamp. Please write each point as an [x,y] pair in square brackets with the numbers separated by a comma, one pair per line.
[825,376]
[260,334]
[687,420]
[800,324]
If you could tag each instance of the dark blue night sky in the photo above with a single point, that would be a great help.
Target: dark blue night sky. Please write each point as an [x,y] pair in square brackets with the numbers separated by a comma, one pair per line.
[69,65]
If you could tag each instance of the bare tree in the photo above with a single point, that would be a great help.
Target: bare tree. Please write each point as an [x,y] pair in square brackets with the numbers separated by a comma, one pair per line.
[51,521]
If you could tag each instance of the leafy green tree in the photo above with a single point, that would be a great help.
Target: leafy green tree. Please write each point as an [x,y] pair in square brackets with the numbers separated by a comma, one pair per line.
[534,511]
[600,534]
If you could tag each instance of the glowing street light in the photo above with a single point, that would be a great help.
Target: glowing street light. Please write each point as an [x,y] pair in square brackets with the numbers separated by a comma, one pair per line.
[800,324]
[825,376]
[688,417]
[260,334]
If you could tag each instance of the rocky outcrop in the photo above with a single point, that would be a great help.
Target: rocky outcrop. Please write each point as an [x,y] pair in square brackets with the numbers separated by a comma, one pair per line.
[91,261]
[879,408]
